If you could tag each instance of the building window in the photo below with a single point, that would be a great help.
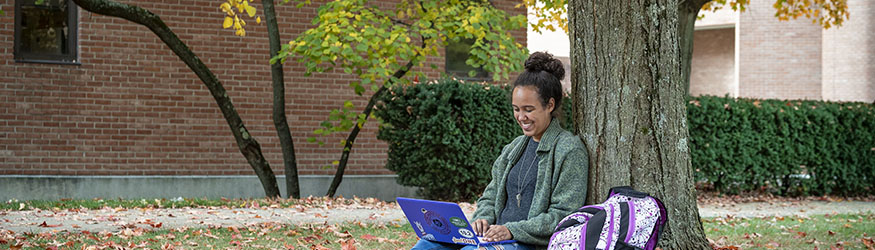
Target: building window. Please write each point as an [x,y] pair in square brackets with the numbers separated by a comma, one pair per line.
[46,32]
[456,55]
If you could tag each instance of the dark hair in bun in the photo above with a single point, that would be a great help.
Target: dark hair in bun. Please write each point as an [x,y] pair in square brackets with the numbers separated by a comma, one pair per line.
[544,73]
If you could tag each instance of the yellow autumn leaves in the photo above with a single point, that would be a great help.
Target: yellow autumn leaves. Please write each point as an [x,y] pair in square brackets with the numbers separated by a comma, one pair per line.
[232,20]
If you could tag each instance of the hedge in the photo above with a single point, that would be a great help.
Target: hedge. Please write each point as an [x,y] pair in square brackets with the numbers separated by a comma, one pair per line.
[443,137]
[785,147]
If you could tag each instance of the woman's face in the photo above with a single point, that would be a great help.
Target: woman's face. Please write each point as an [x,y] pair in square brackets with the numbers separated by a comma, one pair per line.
[530,114]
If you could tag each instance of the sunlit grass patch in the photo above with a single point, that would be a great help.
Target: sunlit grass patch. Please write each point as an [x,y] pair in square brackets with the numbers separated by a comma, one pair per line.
[847,231]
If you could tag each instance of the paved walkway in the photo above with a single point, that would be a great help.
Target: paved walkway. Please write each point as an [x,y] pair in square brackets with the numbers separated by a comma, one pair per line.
[114,219]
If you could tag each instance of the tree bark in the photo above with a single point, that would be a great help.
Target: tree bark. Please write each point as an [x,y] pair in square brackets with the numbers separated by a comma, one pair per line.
[350,140]
[293,189]
[628,90]
[248,146]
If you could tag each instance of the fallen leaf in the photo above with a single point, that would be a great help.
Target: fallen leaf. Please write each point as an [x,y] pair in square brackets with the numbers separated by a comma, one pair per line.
[870,244]
[800,235]
[831,233]
[345,234]
[773,245]
[368,237]
[348,245]
[44,224]
[288,246]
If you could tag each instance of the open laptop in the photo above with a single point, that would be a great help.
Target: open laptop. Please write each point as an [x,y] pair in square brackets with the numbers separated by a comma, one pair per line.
[441,222]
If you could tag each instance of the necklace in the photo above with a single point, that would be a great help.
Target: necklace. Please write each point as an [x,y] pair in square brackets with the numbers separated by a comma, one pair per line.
[520,183]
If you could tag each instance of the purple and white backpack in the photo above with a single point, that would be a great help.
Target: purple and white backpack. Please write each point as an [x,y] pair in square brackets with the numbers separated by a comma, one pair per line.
[628,219]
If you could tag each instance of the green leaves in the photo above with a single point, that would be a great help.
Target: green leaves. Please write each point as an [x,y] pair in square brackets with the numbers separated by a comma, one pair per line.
[372,43]
[339,120]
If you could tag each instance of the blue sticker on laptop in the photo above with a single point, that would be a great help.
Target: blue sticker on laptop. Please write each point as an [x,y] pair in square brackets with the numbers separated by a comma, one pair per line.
[437,222]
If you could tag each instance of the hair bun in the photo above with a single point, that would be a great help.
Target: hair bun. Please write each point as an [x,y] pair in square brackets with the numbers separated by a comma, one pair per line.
[543,61]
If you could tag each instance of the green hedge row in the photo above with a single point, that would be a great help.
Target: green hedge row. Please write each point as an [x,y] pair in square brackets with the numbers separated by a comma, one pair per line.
[785,147]
[444,136]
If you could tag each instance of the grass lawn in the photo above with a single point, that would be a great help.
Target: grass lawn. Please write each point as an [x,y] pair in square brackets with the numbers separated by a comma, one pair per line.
[835,231]
[265,236]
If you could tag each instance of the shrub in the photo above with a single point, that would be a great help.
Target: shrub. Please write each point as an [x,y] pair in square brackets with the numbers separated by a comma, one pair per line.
[444,136]
[787,147]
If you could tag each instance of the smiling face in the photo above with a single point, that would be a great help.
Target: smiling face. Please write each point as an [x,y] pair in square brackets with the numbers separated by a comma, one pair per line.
[532,116]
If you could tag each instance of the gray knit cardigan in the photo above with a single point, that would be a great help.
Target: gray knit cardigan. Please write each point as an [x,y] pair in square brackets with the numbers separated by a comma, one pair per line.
[560,188]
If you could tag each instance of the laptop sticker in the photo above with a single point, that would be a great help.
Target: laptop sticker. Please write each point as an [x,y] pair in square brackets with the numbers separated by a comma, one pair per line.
[419,226]
[437,222]
[465,232]
[458,222]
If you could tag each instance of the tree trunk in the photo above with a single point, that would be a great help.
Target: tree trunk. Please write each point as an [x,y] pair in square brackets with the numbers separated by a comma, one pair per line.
[628,89]
[347,147]
[687,13]
[279,104]
[247,145]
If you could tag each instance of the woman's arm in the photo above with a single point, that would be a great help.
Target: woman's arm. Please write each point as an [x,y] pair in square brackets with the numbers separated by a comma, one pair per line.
[486,203]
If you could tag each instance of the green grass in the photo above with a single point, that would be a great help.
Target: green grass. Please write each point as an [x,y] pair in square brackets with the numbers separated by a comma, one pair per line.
[264,236]
[847,231]
[792,232]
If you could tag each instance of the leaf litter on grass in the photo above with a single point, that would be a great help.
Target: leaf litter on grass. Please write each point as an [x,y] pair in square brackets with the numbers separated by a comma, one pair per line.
[831,231]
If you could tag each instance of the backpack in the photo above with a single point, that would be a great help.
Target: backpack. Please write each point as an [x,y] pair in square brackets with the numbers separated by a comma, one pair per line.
[628,219]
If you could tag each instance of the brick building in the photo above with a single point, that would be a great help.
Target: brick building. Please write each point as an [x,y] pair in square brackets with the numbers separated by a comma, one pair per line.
[122,116]
[774,59]
[794,59]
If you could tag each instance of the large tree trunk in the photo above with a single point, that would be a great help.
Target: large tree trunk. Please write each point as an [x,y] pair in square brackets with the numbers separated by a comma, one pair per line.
[279,104]
[245,142]
[628,90]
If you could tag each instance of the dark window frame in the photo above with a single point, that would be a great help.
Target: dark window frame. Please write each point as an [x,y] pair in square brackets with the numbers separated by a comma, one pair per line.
[72,38]
[483,75]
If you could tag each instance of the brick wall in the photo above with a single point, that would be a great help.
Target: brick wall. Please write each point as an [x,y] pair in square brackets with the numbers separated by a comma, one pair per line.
[849,56]
[133,108]
[778,59]
[713,65]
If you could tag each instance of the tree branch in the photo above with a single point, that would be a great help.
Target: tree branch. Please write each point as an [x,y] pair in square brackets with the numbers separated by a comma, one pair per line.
[350,140]
[248,146]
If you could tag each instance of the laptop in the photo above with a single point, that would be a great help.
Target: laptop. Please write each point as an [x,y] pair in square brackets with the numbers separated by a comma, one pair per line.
[441,221]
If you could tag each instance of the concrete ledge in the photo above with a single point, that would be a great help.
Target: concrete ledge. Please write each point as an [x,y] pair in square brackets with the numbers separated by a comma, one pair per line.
[51,187]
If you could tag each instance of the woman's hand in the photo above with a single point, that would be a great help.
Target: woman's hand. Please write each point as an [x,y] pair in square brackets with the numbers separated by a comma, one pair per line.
[498,233]
[480,226]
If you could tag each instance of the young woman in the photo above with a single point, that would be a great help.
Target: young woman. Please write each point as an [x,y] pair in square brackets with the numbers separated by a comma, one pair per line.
[541,176]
